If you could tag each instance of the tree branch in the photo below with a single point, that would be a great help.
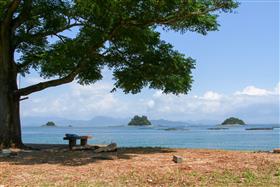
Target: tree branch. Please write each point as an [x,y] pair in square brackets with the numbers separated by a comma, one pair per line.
[172,19]
[10,10]
[23,15]
[52,83]
[49,33]
[44,34]
[60,37]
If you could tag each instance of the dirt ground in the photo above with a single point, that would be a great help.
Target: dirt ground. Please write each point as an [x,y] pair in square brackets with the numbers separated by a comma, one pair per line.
[140,167]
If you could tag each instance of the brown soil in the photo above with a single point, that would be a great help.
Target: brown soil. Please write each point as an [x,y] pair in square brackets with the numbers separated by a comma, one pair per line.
[140,167]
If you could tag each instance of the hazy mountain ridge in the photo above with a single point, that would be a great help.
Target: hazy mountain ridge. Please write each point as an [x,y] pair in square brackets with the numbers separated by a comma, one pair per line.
[96,121]
[105,121]
[99,121]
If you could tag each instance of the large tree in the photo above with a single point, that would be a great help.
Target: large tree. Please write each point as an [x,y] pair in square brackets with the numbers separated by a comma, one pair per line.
[119,34]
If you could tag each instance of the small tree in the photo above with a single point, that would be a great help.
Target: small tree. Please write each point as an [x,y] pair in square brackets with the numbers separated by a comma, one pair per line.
[119,34]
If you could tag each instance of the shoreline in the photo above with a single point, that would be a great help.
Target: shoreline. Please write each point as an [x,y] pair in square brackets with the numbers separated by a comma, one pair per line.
[65,146]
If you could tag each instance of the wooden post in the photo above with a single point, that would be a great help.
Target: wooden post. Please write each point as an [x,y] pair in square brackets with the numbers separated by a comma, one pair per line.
[72,142]
[83,141]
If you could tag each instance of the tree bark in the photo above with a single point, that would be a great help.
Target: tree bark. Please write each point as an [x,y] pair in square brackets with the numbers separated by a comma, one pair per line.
[10,130]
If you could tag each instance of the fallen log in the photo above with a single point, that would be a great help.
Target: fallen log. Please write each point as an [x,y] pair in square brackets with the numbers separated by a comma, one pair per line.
[109,148]
[85,147]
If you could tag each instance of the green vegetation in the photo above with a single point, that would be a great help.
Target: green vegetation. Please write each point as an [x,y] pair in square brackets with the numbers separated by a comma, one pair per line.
[249,176]
[49,124]
[233,121]
[139,121]
[277,173]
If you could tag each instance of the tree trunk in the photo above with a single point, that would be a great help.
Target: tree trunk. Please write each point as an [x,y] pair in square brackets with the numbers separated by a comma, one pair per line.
[10,130]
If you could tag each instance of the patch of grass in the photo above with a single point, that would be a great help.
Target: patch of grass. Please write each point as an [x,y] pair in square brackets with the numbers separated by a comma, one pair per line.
[277,173]
[249,176]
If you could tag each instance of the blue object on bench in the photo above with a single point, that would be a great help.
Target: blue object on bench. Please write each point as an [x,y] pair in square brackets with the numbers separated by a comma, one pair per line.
[72,136]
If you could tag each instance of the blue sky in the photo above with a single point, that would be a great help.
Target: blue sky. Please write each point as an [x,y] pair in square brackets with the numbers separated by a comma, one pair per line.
[237,73]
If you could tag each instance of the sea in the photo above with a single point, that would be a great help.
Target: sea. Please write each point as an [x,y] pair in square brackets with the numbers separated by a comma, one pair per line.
[182,136]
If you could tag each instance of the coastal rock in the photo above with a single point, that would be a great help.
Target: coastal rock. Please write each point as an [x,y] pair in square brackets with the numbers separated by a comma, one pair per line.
[177,159]
[276,150]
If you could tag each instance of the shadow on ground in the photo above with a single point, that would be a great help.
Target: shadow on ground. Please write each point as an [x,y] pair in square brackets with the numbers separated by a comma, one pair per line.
[59,154]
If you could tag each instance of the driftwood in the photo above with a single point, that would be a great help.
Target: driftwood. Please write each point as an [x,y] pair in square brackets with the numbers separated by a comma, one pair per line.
[109,148]
[85,147]
[7,153]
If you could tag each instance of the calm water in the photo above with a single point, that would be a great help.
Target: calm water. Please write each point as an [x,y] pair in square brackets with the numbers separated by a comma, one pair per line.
[189,136]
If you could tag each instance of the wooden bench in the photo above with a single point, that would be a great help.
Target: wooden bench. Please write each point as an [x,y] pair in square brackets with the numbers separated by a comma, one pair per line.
[72,138]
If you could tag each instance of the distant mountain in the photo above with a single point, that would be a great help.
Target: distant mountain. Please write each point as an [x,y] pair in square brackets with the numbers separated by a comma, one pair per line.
[99,121]
[39,121]
[96,121]
[107,121]
[204,122]
[167,122]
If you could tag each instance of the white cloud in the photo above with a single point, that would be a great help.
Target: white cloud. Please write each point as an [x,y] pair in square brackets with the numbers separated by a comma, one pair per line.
[76,101]
[256,102]
[151,103]
[210,95]
[80,102]
[253,91]
[277,89]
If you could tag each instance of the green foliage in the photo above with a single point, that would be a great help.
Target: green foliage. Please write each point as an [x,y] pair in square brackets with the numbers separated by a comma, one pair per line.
[139,121]
[249,176]
[232,121]
[119,34]
[3,5]
[277,173]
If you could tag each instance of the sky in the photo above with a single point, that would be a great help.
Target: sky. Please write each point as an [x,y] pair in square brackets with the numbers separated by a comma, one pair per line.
[237,74]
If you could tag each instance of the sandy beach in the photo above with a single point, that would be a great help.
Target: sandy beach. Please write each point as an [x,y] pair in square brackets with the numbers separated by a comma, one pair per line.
[140,167]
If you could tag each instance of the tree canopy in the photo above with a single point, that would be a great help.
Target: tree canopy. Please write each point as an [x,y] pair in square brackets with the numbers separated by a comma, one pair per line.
[119,34]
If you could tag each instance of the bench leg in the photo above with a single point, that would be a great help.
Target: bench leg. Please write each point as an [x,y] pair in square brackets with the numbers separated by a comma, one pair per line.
[83,142]
[72,142]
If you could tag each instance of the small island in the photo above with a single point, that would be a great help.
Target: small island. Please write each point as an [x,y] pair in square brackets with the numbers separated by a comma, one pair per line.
[49,124]
[139,121]
[233,121]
